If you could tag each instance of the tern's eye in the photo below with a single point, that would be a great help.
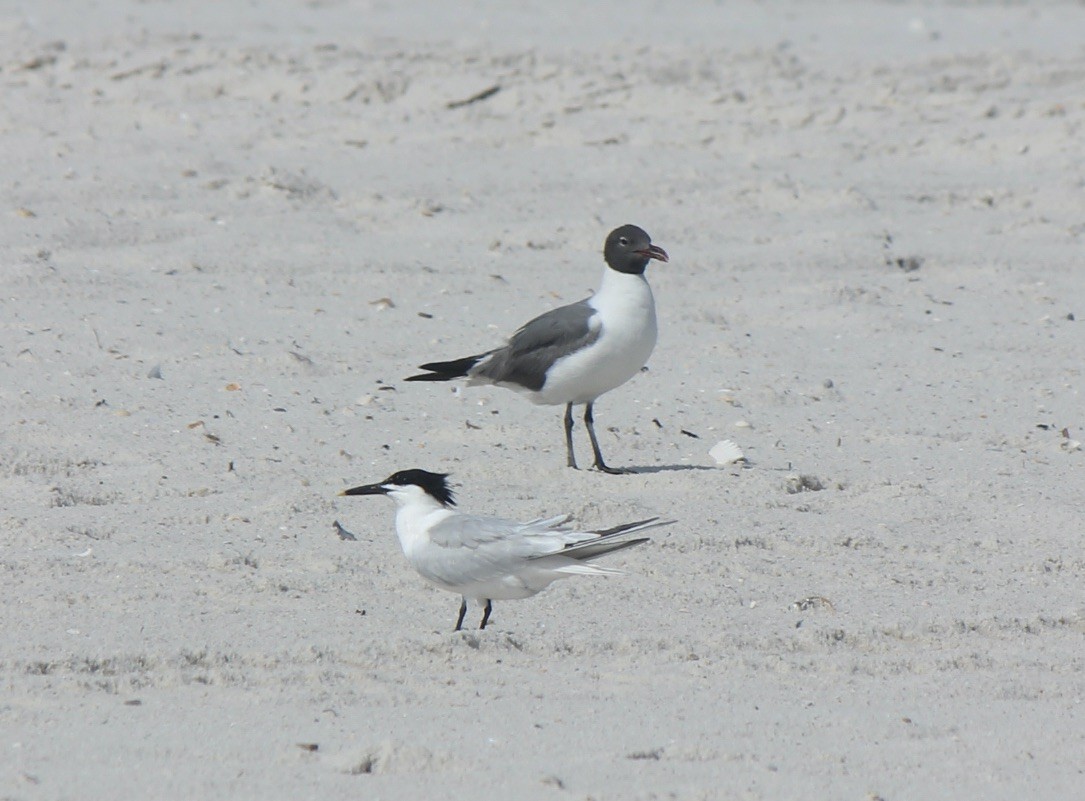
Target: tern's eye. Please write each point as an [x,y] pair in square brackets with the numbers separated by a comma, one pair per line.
[623,241]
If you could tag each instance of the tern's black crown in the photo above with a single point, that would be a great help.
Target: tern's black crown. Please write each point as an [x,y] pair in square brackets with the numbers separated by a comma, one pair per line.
[435,484]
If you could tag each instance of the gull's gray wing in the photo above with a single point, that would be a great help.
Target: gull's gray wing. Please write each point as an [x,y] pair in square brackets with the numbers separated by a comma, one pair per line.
[538,344]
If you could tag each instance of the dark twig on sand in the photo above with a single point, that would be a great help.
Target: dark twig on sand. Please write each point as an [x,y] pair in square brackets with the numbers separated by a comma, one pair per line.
[483,95]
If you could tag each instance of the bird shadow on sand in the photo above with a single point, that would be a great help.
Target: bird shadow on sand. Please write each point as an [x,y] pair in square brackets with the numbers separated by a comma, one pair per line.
[671,468]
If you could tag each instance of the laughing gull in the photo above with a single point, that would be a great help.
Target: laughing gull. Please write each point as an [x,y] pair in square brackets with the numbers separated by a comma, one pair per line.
[575,353]
[491,559]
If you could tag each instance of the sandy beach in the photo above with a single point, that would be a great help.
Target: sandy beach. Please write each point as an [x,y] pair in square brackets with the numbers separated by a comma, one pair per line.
[231,230]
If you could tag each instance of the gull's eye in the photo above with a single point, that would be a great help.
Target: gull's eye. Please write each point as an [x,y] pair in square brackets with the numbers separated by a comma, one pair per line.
[623,241]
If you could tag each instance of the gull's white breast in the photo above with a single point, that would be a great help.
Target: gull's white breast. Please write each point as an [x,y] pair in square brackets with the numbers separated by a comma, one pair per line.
[626,312]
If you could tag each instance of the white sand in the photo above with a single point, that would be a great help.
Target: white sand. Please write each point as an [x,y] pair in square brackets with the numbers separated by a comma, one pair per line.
[220,196]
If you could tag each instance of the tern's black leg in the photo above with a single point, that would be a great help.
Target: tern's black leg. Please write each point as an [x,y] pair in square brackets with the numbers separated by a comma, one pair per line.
[571,462]
[589,421]
[486,614]
[463,611]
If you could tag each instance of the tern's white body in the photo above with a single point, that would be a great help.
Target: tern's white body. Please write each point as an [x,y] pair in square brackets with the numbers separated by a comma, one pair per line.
[485,557]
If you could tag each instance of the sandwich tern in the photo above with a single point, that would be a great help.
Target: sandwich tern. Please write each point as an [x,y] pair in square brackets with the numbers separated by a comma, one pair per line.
[491,559]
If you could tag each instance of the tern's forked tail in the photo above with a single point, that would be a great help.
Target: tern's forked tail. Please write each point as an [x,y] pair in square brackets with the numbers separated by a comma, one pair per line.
[610,540]
[447,371]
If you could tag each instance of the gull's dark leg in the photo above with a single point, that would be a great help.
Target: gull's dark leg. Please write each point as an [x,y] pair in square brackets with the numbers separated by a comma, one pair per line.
[463,611]
[486,614]
[589,421]
[569,436]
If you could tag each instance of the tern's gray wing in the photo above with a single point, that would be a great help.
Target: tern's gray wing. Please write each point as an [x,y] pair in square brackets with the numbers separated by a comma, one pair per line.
[535,347]
[479,532]
[473,548]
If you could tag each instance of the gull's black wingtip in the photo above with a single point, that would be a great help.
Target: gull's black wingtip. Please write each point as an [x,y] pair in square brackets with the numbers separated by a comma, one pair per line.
[446,371]
[429,377]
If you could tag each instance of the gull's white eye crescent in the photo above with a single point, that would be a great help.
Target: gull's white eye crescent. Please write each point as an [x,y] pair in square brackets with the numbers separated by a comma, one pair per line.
[623,241]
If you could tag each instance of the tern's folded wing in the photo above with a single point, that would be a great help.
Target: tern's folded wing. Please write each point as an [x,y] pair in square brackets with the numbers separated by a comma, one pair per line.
[504,537]
[465,551]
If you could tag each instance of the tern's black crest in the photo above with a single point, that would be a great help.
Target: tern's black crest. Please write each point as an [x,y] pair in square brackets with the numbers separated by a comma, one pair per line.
[435,484]
[629,249]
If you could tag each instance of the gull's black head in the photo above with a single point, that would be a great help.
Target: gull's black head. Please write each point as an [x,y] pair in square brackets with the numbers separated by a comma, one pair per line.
[433,484]
[629,249]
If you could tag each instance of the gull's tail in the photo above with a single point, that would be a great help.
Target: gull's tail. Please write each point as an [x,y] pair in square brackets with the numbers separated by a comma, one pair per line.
[447,371]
